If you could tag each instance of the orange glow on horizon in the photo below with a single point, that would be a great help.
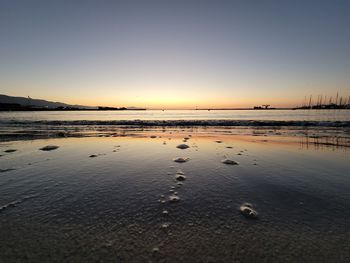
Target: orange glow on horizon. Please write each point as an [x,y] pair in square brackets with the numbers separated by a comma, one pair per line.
[179,103]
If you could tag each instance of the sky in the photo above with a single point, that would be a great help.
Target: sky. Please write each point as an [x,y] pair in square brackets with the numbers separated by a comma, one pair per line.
[175,54]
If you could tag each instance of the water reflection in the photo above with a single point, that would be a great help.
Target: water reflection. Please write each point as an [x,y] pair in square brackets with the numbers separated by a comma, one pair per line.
[318,138]
[325,142]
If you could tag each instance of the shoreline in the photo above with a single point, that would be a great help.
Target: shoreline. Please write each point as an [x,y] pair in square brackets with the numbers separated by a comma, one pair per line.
[184,123]
[317,136]
[204,109]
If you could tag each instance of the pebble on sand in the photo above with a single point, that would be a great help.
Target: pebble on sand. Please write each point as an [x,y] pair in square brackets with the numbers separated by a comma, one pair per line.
[180,177]
[155,250]
[228,161]
[93,155]
[248,211]
[49,148]
[181,159]
[165,225]
[174,198]
[182,146]
[218,141]
[153,136]
[10,151]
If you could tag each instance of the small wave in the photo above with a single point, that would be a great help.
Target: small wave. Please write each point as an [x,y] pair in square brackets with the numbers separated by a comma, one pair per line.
[186,123]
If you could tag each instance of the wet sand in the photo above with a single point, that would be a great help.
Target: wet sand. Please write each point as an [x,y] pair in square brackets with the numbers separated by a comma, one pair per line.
[63,206]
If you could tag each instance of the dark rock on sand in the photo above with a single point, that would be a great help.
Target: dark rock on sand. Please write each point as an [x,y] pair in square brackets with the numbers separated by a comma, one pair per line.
[181,160]
[248,211]
[49,148]
[93,155]
[155,250]
[10,151]
[165,225]
[180,177]
[174,198]
[182,146]
[228,161]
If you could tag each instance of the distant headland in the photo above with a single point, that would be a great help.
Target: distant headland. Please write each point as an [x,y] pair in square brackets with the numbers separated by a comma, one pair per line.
[10,103]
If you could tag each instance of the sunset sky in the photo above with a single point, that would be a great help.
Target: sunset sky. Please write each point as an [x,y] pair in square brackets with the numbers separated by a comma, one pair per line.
[175,54]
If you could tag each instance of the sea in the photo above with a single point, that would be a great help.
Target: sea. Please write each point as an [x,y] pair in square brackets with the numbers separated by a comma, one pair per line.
[253,115]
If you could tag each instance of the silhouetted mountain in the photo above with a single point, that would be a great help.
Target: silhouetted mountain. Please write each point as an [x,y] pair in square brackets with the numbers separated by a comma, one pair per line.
[28,102]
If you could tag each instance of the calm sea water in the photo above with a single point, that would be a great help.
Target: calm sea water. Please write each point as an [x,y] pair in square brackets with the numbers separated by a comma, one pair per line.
[285,115]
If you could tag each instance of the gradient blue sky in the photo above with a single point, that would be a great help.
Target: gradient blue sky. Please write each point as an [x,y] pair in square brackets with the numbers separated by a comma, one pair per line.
[175,54]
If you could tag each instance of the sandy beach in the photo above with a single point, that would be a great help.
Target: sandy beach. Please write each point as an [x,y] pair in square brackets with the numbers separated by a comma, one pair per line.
[108,196]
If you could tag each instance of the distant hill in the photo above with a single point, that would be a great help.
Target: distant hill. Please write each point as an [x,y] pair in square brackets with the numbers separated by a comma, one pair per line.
[37,102]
